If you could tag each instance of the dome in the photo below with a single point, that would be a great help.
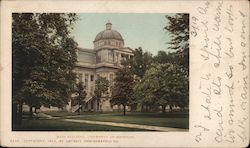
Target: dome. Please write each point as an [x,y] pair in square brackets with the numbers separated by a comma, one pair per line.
[109,33]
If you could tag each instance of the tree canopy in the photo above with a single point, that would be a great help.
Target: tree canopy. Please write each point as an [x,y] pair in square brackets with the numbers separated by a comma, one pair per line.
[44,55]
[140,62]
[178,28]
[163,84]
[122,92]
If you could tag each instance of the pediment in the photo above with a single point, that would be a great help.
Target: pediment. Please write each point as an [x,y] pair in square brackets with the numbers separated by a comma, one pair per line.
[127,49]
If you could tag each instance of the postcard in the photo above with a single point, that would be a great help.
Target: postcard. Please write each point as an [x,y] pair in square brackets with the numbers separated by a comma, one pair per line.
[108,73]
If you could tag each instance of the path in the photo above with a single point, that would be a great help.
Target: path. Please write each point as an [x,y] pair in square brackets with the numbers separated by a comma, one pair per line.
[128,125]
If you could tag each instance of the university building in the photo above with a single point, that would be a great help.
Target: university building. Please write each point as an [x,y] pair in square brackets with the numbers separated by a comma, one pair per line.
[102,61]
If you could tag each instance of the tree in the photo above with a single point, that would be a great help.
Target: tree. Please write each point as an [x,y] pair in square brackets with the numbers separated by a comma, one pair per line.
[163,84]
[140,62]
[80,95]
[44,55]
[101,88]
[164,57]
[178,28]
[122,93]
[161,57]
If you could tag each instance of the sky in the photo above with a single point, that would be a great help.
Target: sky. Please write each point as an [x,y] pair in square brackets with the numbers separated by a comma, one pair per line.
[144,30]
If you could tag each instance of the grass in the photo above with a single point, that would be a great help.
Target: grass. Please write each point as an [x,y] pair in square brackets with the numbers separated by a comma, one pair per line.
[65,113]
[172,119]
[176,120]
[58,125]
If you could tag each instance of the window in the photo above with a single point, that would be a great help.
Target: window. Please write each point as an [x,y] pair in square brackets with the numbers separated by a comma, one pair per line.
[123,57]
[80,77]
[92,78]
[110,56]
[126,56]
[98,59]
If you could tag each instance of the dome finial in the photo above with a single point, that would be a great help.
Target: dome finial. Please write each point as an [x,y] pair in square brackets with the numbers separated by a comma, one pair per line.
[108,26]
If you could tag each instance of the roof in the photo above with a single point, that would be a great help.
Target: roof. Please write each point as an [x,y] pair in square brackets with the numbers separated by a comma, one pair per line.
[108,34]
[86,50]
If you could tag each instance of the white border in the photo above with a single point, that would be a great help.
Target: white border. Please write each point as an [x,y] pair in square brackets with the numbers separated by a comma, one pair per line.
[141,139]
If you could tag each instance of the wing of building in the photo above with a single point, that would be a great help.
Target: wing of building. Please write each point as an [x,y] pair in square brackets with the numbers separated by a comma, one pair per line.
[103,60]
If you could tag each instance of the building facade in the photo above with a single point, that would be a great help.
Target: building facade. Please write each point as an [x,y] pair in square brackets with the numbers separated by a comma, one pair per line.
[102,61]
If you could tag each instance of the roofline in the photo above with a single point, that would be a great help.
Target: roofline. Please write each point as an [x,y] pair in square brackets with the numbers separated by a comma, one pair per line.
[96,66]
[86,49]
[108,39]
[128,48]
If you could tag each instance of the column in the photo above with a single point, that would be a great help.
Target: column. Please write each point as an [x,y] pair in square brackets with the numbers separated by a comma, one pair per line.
[119,58]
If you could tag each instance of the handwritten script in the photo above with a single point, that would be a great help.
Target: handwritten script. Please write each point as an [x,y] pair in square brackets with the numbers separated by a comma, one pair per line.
[220,35]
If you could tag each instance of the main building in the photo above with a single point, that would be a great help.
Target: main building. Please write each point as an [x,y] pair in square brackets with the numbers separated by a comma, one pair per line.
[104,60]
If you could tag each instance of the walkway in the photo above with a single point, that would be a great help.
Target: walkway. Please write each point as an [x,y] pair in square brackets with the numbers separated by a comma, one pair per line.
[128,125]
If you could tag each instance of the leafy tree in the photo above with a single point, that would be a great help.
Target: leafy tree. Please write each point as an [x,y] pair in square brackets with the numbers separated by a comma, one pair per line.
[140,62]
[178,28]
[164,57]
[44,55]
[161,57]
[163,84]
[122,93]
[101,88]
[80,95]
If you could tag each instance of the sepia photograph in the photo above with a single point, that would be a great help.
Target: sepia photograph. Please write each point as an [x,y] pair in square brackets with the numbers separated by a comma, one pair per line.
[100,72]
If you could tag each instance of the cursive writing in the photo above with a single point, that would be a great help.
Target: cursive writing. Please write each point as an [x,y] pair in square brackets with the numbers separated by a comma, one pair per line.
[217,17]
[220,129]
[204,9]
[230,19]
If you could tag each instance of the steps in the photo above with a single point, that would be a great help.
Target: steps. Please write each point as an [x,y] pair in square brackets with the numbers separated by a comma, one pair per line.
[75,108]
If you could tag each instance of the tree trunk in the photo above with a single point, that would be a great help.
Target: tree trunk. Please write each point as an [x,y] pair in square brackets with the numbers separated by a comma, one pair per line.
[142,106]
[31,112]
[100,105]
[124,110]
[163,109]
[170,107]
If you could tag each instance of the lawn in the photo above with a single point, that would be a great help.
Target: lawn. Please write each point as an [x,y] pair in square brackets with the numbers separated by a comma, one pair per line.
[58,125]
[173,119]
[65,113]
